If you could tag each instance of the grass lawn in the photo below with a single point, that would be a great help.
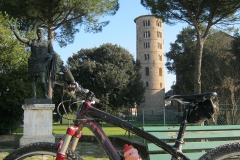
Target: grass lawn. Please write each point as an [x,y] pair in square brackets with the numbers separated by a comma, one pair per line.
[109,130]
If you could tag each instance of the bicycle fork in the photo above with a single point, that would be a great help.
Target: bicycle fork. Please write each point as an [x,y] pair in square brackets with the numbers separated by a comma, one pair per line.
[72,136]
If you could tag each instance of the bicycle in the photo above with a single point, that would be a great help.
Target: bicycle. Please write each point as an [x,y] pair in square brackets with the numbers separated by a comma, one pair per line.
[198,108]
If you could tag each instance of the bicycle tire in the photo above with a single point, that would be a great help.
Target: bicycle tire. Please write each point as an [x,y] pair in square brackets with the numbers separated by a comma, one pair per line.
[37,150]
[224,152]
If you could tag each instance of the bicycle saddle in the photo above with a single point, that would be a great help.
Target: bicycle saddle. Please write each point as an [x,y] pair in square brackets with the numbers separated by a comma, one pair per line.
[193,97]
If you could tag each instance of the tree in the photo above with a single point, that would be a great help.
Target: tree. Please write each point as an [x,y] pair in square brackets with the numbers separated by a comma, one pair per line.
[218,61]
[63,18]
[197,14]
[219,70]
[13,90]
[220,73]
[235,47]
[111,73]
[179,60]
[14,86]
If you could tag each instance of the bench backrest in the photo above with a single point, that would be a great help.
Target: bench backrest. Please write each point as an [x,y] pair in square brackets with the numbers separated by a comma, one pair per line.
[198,139]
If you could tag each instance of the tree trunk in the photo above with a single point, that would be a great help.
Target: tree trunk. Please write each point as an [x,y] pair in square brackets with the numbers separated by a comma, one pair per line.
[198,66]
[50,89]
[51,38]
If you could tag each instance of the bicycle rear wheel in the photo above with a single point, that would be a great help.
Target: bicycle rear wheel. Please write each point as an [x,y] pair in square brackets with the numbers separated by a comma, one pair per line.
[224,152]
[39,151]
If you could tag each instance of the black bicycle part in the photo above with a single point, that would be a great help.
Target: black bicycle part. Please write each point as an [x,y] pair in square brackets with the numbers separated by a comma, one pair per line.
[223,152]
[89,112]
[193,97]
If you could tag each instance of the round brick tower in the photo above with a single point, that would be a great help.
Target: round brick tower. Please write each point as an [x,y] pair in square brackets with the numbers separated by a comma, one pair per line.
[150,54]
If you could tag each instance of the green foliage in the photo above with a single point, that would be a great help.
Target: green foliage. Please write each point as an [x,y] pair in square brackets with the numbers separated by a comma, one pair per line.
[14,85]
[172,11]
[12,52]
[235,47]
[219,65]
[111,73]
[62,16]
[13,90]
[180,60]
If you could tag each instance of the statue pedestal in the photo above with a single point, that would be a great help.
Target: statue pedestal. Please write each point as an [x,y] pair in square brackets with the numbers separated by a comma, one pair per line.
[37,123]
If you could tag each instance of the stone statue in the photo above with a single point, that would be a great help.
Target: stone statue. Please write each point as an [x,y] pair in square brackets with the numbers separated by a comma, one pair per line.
[42,56]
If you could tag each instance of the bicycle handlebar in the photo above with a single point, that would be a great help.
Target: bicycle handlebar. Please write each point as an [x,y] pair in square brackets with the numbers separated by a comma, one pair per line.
[79,89]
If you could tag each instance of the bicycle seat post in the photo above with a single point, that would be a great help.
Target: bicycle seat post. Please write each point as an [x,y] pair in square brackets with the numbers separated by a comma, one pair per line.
[180,138]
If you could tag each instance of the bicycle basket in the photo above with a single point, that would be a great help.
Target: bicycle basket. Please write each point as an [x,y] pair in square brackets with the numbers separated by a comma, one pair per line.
[201,112]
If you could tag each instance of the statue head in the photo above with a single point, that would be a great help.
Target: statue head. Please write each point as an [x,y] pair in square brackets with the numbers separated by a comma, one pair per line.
[40,32]
[41,29]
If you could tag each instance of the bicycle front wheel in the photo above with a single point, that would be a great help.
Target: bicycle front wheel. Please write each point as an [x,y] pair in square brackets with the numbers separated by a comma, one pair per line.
[39,151]
[223,152]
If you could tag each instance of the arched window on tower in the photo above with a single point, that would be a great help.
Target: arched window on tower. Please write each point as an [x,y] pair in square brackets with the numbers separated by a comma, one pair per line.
[160,71]
[159,46]
[159,34]
[146,71]
[146,56]
[158,23]
[146,45]
[160,57]
[146,34]
[146,84]
[160,85]
[146,23]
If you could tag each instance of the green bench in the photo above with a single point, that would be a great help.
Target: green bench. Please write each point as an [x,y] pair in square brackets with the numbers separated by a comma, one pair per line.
[198,139]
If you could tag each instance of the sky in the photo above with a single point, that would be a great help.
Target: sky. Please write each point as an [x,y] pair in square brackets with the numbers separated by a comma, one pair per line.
[121,31]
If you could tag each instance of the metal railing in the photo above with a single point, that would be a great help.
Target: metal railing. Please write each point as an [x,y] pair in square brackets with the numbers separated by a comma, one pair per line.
[226,115]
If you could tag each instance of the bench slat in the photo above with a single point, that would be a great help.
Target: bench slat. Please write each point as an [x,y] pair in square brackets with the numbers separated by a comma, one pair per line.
[198,135]
[190,128]
[194,137]
[192,156]
[152,148]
